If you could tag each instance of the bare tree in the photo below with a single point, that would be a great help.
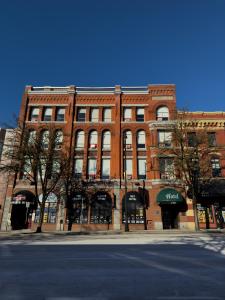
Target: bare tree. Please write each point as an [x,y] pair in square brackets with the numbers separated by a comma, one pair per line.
[191,155]
[38,157]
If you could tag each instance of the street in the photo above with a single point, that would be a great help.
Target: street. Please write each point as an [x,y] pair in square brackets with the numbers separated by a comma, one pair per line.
[128,266]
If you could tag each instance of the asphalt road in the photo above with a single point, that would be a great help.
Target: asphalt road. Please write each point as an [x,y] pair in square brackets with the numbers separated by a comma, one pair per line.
[156,267]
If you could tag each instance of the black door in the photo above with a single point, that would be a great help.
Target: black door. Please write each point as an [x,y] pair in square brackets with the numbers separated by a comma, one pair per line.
[169,217]
[18,216]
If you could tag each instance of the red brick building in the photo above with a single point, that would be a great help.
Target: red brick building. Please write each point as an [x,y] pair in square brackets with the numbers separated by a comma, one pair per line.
[106,127]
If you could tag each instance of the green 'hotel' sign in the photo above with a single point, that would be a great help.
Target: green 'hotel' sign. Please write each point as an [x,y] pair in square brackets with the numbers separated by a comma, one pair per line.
[169,196]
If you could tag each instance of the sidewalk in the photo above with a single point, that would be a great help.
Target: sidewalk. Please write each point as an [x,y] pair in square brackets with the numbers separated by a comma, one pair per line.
[112,232]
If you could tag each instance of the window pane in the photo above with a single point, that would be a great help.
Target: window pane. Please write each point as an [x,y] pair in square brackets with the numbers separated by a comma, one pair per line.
[34,114]
[141,139]
[128,138]
[107,115]
[92,166]
[140,115]
[106,141]
[80,139]
[162,113]
[129,169]
[93,139]
[60,114]
[78,169]
[127,114]
[94,115]
[105,168]
[141,168]
[47,114]
[81,114]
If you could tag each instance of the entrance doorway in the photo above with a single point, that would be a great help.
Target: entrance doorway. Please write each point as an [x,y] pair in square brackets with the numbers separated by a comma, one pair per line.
[170,216]
[18,216]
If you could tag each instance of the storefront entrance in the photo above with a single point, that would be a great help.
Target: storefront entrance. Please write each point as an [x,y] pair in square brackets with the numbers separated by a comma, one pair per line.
[171,202]
[23,204]
[170,216]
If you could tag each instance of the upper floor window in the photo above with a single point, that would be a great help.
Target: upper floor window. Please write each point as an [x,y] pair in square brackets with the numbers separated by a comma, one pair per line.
[191,139]
[78,167]
[127,139]
[141,168]
[107,115]
[93,139]
[31,137]
[129,168]
[81,114]
[94,115]
[127,114]
[140,114]
[45,139]
[106,140]
[34,114]
[47,115]
[80,139]
[60,114]
[216,169]
[141,139]
[211,139]
[105,170]
[92,168]
[162,113]
[164,138]
[58,139]
[166,168]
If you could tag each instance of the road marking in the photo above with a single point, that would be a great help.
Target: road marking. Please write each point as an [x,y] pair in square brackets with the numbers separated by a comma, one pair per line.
[189,298]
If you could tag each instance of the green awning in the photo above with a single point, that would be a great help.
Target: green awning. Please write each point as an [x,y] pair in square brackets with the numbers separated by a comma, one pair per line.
[169,196]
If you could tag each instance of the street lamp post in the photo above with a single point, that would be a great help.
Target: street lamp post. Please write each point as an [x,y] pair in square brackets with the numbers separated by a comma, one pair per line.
[125,181]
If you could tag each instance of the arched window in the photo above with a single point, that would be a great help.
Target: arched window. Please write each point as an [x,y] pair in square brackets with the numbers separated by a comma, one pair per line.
[101,208]
[58,139]
[45,139]
[127,136]
[141,139]
[31,137]
[80,139]
[93,139]
[162,113]
[106,140]
[134,207]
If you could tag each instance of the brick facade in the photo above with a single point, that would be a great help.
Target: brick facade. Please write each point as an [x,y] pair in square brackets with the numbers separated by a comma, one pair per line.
[148,109]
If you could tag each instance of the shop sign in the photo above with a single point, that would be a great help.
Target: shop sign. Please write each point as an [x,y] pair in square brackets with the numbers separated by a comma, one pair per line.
[169,196]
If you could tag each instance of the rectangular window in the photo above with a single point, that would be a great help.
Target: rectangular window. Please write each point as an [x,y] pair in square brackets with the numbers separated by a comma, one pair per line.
[92,168]
[140,114]
[164,138]
[211,139]
[107,115]
[129,168]
[192,139]
[78,168]
[60,114]
[127,114]
[166,168]
[105,174]
[47,115]
[94,115]
[141,168]
[216,170]
[81,114]
[34,114]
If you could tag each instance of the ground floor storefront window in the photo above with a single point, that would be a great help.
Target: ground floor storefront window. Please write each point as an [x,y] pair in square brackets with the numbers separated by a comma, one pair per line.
[211,215]
[50,210]
[134,209]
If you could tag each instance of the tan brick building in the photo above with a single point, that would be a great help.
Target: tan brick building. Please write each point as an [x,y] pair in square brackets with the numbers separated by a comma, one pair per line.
[106,127]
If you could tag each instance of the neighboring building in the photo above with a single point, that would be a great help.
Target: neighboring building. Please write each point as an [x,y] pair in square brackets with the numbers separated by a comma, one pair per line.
[106,127]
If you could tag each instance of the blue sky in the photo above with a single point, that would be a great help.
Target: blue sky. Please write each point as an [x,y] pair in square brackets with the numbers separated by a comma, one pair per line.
[105,42]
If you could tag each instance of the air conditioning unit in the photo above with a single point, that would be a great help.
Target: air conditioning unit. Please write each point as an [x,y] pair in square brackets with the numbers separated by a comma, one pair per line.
[93,146]
[34,120]
[58,147]
[92,176]
[127,119]
[129,177]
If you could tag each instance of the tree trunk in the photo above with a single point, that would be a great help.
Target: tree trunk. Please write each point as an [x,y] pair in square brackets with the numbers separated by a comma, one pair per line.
[39,227]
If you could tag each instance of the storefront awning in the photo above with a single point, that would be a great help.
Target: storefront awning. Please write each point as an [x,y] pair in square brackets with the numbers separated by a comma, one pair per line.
[169,196]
